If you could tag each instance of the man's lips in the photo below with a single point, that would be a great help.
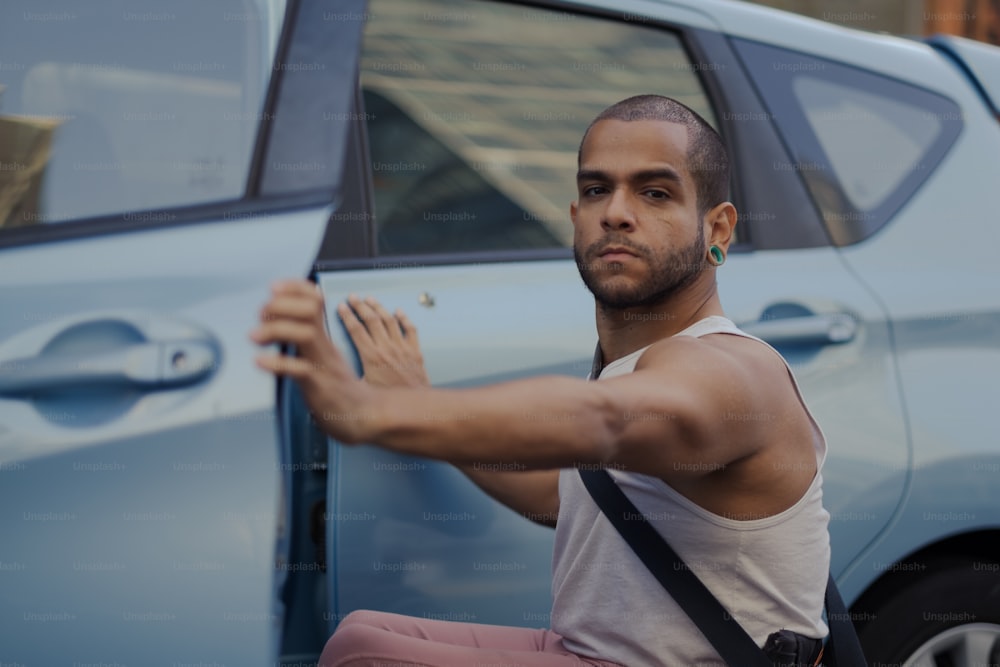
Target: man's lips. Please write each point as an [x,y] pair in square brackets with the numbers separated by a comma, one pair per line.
[616,254]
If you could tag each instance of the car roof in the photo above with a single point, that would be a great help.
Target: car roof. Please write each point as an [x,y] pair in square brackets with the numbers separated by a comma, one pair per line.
[899,57]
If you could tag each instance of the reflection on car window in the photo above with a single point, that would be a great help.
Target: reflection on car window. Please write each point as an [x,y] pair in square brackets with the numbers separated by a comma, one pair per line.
[110,106]
[848,122]
[475,111]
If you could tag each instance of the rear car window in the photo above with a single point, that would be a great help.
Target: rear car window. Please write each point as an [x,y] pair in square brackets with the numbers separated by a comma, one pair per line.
[111,106]
[863,143]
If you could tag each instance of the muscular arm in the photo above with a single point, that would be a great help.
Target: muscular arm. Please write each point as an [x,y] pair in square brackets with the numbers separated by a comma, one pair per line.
[533,494]
[550,422]
[667,418]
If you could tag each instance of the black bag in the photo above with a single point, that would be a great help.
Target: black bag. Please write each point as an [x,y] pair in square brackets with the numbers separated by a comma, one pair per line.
[725,634]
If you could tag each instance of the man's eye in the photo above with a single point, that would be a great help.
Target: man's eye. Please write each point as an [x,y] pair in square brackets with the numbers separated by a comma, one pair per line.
[657,194]
[593,190]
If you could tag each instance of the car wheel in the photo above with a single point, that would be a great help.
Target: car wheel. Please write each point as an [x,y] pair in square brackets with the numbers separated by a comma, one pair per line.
[946,615]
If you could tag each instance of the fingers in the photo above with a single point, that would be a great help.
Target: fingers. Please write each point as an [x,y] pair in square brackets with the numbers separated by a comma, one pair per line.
[355,328]
[281,364]
[409,329]
[304,287]
[389,321]
[296,300]
[292,307]
[386,343]
[284,331]
[295,315]
[381,326]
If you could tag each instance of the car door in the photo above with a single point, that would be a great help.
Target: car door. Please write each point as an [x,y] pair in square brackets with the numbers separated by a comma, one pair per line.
[162,165]
[474,112]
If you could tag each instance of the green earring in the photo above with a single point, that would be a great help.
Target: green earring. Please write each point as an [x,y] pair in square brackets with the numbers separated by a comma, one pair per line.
[718,259]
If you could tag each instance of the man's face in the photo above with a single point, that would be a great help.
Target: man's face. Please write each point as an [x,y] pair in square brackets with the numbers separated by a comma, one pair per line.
[638,237]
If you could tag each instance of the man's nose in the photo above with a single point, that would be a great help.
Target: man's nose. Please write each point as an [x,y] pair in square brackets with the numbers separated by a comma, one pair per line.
[619,213]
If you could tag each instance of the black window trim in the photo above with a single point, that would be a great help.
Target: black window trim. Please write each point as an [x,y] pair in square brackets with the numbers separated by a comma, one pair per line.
[271,102]
[348,233]
[386,262]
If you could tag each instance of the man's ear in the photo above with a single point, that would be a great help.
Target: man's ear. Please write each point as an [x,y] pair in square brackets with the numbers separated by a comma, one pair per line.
[719,223]
[573,207]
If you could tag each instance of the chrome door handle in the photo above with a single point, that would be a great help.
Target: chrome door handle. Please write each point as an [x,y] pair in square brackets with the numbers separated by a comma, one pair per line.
[826,329]
[144,365]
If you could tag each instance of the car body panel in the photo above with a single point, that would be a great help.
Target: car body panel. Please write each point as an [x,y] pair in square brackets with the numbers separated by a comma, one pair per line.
[685,14]
[946,325]
[888,54]
[140,525]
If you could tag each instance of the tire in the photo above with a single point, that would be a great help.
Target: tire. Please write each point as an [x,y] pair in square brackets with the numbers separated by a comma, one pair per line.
[935,615]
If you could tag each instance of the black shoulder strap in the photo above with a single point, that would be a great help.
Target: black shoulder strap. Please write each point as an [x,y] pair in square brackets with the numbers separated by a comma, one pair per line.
[725,634]
[842,648]
[721,630]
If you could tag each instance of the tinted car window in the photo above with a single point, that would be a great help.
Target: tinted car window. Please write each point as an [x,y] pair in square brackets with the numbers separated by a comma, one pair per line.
[848,122]
[111,106]
[863,143]
[475,111]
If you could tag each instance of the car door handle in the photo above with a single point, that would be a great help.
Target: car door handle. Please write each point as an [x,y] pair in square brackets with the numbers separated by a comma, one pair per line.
[826,329]
[148,365]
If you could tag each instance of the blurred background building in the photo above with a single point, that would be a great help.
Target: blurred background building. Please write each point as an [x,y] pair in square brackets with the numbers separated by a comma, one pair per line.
[975,19]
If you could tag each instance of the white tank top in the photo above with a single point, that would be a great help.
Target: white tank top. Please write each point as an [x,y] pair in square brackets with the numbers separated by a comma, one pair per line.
[768,573]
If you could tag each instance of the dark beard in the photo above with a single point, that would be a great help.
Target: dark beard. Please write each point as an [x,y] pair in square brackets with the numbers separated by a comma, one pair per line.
[670,273]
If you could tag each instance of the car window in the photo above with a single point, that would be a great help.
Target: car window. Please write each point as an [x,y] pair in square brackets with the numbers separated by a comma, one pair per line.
[848,122]
[475,111]
[112,106]
[863,143]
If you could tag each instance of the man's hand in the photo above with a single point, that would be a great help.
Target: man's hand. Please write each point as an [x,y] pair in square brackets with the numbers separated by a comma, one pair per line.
[390,357]
[387,344]
[339,401]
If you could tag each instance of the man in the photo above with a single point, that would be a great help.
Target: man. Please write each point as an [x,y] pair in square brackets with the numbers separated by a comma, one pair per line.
[701,425]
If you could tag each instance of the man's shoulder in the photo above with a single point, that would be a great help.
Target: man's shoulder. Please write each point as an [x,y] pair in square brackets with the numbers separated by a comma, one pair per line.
[722,352]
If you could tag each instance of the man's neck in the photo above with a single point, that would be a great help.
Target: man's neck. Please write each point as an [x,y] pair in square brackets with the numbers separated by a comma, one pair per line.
[622,332]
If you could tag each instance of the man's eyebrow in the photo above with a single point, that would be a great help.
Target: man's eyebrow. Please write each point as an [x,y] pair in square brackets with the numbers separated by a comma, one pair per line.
[638,177]
[652,174]
[591,175]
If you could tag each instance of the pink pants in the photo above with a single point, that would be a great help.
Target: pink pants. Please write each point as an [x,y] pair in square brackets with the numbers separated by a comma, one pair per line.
[379,639]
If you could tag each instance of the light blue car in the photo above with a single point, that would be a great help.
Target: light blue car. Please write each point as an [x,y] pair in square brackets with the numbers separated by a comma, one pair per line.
[163,502]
